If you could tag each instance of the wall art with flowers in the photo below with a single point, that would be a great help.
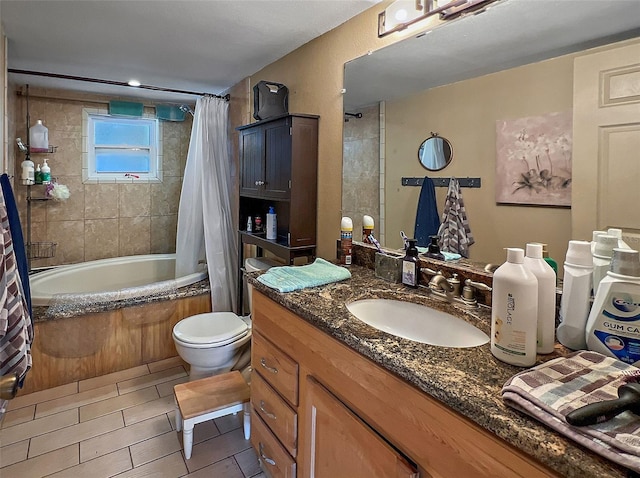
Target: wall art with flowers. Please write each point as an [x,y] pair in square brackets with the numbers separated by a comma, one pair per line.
[533,160]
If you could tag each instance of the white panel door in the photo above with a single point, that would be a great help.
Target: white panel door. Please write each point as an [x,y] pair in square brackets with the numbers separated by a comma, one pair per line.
[606,143]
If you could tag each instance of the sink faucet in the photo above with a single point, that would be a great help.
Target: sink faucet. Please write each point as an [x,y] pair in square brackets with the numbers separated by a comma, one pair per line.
[439,283]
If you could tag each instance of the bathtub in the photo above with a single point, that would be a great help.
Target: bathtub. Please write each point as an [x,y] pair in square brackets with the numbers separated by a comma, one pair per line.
[109,279]
[89,329]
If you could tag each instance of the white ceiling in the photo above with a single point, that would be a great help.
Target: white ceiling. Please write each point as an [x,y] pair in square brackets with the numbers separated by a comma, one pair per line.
[509,33]
[203,46]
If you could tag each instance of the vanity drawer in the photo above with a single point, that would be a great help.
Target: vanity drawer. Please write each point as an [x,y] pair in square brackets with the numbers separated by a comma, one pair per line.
[276,367]
[275,412]
[274,458]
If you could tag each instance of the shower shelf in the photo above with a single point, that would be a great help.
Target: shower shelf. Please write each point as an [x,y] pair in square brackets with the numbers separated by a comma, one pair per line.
[41,250]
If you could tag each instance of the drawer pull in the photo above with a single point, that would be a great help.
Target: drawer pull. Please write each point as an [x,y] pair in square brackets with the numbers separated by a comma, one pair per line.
[270,415]
[268,460]
[263,362]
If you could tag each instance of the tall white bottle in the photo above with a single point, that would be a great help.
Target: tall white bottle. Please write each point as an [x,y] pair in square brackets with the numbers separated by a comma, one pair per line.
[602,253]
[514,311]
[613,327]
[546,297]
[576,295]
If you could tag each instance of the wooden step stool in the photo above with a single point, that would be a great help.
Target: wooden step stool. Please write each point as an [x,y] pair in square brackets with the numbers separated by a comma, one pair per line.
[210,398]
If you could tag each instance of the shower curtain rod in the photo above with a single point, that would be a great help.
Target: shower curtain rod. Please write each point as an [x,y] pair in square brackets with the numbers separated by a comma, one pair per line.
[114,83]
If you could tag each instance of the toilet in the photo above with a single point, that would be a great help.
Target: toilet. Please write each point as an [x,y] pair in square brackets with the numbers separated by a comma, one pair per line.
[217,342]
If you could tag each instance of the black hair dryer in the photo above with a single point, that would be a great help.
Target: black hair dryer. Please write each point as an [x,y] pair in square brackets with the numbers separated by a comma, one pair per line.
[628,399]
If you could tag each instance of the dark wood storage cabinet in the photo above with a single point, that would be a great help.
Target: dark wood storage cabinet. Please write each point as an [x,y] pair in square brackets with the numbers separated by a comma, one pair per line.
[279,168]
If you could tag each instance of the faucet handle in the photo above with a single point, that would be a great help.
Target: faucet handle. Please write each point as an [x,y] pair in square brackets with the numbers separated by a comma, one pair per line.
[468,293]
[477,285]
[426,270]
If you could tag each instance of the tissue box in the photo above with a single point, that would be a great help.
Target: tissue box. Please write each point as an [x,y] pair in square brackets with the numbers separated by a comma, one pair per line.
[388,267]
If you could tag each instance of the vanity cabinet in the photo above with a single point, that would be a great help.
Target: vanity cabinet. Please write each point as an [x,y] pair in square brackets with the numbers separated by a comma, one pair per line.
[357,419]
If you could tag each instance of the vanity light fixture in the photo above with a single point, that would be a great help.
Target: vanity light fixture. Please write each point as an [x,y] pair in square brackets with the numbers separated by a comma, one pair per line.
[404,13]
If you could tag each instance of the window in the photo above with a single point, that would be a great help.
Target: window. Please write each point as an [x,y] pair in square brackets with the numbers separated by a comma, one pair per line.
[121,148]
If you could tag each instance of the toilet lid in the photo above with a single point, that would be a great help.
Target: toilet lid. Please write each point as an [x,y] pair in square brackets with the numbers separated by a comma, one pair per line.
[210,328]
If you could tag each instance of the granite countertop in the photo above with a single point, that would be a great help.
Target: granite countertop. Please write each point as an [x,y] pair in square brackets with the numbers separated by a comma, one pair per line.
[468,380]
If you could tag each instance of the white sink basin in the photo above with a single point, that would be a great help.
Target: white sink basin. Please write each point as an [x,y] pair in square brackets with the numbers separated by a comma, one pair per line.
[417,322]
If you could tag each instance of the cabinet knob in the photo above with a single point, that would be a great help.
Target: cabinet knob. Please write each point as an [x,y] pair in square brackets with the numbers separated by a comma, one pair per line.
[259,183]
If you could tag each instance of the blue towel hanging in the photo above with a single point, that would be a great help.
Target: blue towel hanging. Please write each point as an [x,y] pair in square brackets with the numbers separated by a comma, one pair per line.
[18,240]
[427,217]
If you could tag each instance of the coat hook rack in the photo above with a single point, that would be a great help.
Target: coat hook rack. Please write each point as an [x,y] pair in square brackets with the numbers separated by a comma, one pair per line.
[444,182]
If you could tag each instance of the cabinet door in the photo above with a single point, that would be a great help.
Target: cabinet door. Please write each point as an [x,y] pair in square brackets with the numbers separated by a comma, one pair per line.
[251,161]
[338,443]
[277,176]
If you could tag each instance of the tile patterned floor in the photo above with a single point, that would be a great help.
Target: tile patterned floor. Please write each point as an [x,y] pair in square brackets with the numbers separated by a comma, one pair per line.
[121,424]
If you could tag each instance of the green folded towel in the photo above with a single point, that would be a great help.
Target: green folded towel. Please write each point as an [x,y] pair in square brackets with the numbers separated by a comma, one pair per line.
[290,278]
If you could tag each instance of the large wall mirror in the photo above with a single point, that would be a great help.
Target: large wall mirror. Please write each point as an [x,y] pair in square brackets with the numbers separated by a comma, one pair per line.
[459,79]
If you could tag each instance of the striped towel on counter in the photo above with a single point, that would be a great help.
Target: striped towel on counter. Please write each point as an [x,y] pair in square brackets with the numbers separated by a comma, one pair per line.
[454,234]
[551,390]
[290,278]
[16,330]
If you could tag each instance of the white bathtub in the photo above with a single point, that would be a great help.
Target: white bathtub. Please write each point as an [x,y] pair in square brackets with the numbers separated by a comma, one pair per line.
[110,279]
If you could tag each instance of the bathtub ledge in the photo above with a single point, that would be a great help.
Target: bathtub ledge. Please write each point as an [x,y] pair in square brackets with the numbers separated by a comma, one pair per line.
[64,311]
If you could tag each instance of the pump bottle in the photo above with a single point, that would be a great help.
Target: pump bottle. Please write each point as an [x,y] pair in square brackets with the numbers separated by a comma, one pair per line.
[410,266]
[46,172]
[514,311]
[546,297]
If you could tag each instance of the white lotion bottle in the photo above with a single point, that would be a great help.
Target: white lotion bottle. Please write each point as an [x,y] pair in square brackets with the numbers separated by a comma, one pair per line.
[514,311]
[576,295]
[546,297]
[613,327]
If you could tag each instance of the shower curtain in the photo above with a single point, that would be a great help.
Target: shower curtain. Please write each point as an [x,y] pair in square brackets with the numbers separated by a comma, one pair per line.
[205,225]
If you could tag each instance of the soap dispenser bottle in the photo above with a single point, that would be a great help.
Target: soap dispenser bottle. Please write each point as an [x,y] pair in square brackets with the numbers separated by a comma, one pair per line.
[546,297]
[46,172]
[514,311]
[433,251]
[410,266]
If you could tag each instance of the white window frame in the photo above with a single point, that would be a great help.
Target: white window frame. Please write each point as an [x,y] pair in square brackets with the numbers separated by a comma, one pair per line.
[89,173]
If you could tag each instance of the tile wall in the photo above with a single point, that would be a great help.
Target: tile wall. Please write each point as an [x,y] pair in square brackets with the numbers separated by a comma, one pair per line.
[361,169]
[98,220]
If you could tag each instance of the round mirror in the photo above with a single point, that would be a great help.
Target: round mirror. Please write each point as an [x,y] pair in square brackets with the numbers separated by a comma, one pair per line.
[435,153]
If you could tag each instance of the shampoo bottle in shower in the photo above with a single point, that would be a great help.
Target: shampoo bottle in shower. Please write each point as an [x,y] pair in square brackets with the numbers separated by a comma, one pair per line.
[46,172]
